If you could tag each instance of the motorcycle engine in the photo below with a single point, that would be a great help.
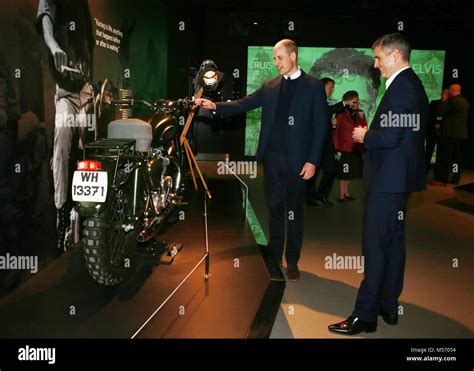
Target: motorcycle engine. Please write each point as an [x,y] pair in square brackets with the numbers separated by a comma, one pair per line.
[162,195]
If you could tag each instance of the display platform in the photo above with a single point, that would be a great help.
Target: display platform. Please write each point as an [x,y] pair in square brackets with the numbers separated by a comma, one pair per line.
[240,298]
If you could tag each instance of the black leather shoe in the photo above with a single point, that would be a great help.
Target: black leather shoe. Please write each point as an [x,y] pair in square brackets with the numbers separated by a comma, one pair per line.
[312,202]
[350,198]
[389,318]
[325,202]
[293,272]
[353,326]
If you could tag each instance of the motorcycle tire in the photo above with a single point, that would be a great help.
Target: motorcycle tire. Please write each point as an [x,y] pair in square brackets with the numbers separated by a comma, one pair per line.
[97,253]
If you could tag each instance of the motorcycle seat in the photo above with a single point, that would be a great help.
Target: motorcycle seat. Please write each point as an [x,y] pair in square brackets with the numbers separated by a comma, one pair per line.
[132,129]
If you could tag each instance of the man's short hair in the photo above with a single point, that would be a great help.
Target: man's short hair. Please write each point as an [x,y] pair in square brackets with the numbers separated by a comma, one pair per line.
[394,41]
[327,80]
[290,46]
[336,61]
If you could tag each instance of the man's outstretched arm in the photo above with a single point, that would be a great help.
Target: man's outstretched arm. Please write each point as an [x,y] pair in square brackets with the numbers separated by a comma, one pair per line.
[235,107]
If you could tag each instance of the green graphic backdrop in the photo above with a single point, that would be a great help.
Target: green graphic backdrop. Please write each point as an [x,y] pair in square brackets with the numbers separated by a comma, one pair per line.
[351,68]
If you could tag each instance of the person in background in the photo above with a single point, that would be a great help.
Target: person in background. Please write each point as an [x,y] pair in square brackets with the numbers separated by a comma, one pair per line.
[349,152]
[328,161]
[452,138]
[437,108]
[351,69]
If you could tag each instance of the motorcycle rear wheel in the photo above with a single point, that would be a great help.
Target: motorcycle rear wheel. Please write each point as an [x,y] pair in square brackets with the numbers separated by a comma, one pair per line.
[108,250]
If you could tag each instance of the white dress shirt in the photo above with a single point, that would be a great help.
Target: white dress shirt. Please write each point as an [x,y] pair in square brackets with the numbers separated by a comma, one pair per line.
[294,75]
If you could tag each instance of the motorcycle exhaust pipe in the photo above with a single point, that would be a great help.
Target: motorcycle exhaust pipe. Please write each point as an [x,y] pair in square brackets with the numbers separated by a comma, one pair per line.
[150,231]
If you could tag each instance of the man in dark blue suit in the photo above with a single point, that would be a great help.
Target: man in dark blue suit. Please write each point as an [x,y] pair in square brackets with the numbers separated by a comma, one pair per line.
[294,127]
[394,167]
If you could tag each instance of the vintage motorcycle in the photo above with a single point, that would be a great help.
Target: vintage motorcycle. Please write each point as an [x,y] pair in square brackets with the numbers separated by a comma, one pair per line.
[128,185]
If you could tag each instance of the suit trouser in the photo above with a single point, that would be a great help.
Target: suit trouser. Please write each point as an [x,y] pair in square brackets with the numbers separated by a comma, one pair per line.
[449,159]
[284,190]
[328,165]
[431,141]
[67,121]
[384,255]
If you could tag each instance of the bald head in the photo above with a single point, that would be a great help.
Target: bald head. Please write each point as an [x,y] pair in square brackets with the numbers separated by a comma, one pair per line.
[289,45]
[285,56]
[454,89]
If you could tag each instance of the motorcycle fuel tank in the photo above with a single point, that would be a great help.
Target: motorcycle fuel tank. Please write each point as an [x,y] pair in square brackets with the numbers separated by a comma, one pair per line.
[164,129]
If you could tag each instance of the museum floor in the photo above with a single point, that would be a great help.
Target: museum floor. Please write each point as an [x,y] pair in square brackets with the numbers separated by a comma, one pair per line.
[244,290]
[160,299]
[437,297]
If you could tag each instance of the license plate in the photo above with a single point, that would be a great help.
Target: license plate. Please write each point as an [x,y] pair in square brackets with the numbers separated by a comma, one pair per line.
[89,186]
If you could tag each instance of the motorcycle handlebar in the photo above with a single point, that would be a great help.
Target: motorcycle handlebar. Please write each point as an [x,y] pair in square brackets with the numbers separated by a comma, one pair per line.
[159,105]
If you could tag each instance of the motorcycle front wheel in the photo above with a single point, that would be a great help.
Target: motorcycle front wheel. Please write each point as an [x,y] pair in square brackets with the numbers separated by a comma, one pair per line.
[108,248]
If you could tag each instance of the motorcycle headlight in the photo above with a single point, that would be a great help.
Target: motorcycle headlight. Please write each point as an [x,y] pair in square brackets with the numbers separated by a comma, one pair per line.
[210,78]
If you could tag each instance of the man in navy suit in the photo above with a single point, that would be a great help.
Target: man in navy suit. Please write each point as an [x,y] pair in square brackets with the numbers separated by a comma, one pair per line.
[394,167]
[294,127]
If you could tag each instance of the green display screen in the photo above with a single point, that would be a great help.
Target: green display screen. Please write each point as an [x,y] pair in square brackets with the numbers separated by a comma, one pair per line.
[350,68]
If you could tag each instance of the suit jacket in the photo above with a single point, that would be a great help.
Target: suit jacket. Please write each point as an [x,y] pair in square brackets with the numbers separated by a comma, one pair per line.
[309,109]
[454,124]
[437,108]
[395,159]
[336,108]
[436,112]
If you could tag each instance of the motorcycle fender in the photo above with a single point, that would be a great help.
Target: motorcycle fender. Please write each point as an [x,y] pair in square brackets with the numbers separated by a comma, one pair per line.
[90,209]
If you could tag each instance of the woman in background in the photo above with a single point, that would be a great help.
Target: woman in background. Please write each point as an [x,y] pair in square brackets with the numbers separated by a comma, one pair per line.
[349,152]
